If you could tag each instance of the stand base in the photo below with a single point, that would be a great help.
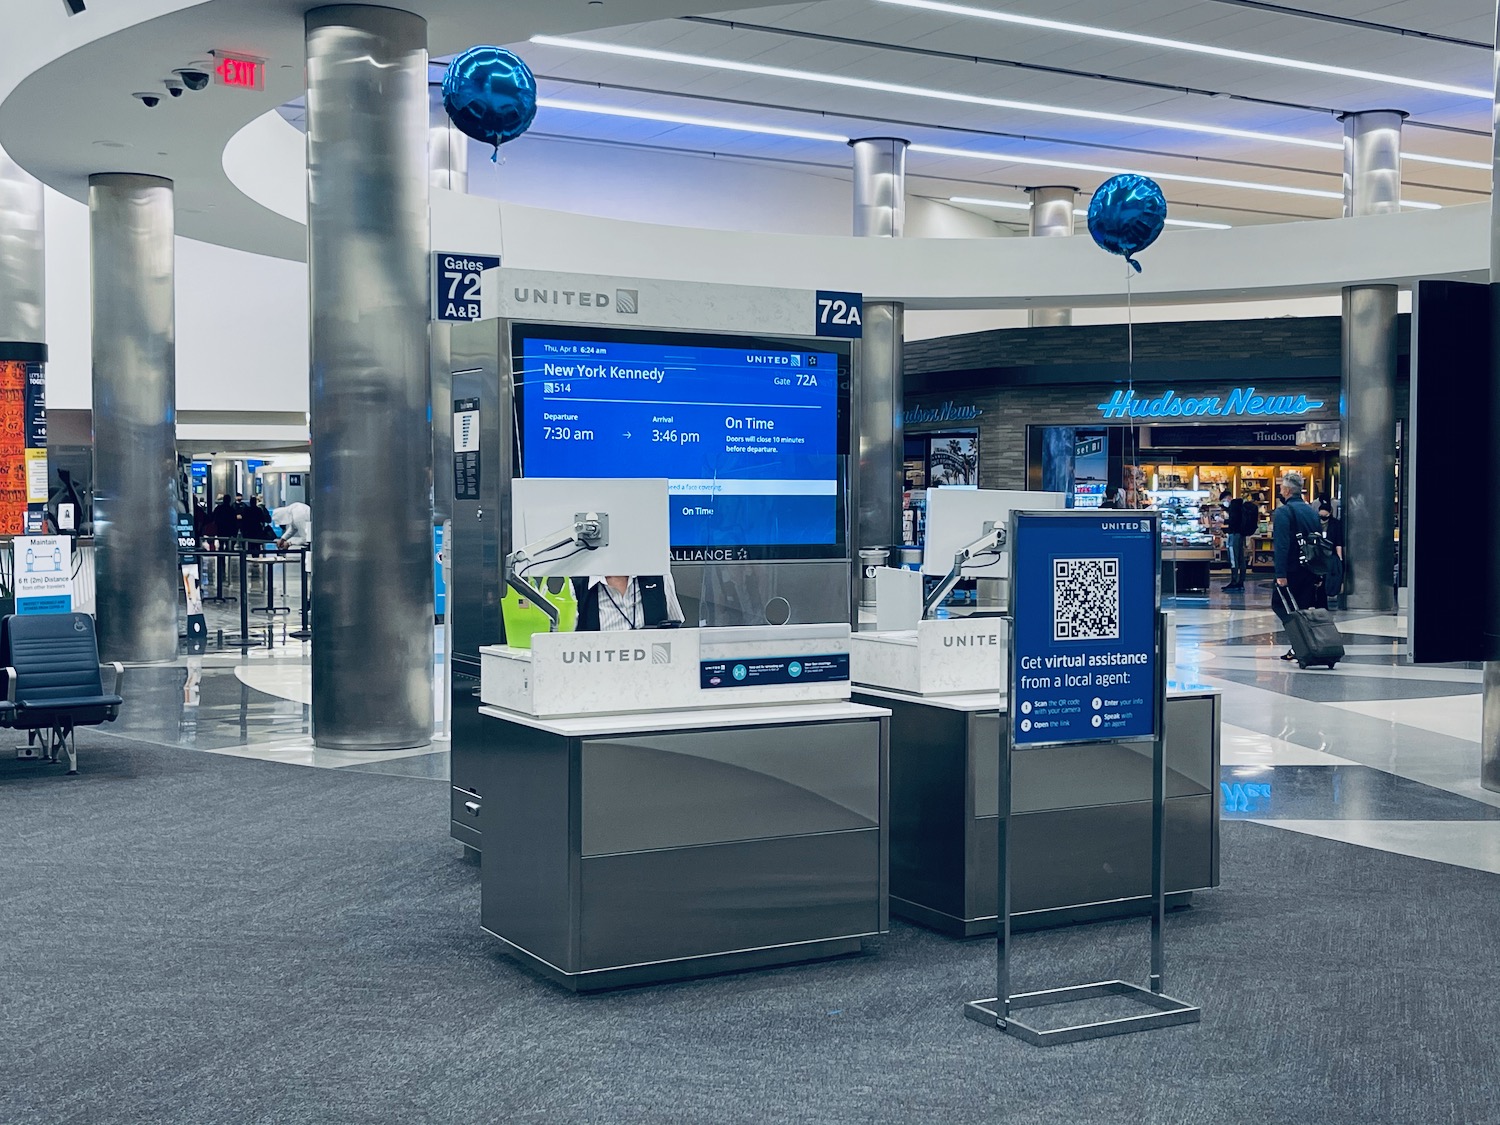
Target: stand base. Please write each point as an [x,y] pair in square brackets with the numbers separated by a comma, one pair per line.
[1167,1013]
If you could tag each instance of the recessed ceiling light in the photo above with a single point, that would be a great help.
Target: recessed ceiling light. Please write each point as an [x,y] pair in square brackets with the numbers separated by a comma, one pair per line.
[877,86]
[1192,48]
[111,144]
[688,119]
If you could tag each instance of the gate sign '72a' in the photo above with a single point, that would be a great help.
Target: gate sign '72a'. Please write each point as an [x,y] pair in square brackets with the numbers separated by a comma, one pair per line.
[839,314]
[456,281]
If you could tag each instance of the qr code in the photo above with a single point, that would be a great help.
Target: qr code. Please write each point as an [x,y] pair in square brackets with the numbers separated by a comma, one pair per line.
[1085,599]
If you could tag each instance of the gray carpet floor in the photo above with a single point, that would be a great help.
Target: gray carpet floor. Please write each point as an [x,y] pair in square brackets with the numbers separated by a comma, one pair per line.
[200,939]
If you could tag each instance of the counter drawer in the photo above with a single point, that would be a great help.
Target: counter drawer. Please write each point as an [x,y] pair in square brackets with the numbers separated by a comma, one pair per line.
[465,806]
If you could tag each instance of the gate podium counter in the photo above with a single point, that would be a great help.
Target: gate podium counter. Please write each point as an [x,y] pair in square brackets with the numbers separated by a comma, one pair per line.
[667,803]
[1081,815]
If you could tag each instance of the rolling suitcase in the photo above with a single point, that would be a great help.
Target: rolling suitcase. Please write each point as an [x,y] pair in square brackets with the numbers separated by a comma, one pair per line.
[1315,638]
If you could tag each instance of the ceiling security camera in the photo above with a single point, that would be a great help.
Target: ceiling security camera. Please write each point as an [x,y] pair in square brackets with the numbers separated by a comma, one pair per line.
[174,88]
[192,79]
[150,101]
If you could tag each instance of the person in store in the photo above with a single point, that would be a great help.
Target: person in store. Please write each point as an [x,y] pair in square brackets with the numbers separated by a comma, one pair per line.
[1293,516]
[1234,537]
[617,602]
[1333,527]
[1112,498]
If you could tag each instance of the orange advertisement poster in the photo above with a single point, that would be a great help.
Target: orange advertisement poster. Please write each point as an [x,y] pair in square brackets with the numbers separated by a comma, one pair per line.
[12,447]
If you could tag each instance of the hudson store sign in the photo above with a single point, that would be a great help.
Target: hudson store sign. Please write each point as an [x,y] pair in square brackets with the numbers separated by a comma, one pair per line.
[1242,402]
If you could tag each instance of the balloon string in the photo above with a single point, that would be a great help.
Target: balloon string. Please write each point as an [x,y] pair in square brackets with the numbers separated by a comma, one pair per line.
[1132,448]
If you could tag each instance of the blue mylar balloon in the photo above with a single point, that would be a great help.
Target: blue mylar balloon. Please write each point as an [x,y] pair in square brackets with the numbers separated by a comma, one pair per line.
[490,94]
[1126,215]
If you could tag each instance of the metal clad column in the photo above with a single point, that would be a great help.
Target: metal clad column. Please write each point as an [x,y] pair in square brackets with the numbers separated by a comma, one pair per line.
[22,256]
[1489,738]
[1051,217]
[132,294]
[879,212]
[367,197]
[1367,403]
[447,168]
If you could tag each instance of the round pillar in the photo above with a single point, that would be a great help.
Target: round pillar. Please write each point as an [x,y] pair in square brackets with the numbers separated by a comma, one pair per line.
[1051,217]
[879,212]
[23,262]
[367,199]
[879,187]
[1367,402]
[132,296]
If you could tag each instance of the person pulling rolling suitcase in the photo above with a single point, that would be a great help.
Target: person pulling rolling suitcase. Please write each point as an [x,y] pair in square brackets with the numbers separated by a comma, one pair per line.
[1314,637]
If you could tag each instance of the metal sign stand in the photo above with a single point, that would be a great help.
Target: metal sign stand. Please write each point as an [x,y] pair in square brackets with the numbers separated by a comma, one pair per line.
[1164,1011]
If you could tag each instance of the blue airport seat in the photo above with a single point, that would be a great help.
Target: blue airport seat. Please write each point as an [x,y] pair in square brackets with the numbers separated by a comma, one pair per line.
[54,681]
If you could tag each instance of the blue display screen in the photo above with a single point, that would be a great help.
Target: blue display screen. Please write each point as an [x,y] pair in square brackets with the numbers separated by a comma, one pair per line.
[748,432]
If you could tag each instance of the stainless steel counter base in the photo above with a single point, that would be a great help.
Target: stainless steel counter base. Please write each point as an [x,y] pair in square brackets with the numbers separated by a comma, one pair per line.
[626,976]
[613,859]
[1080,826]
[1139,906]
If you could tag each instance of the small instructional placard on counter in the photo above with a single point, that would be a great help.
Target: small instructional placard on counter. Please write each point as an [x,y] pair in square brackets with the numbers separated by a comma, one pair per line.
[759,671]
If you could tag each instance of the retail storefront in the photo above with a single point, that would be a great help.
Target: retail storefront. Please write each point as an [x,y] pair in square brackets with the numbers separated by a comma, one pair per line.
[1193,424]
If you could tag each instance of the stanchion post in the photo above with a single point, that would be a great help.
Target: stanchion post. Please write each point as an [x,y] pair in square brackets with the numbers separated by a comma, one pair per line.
[1002,897]
[1159,809]
[244,603]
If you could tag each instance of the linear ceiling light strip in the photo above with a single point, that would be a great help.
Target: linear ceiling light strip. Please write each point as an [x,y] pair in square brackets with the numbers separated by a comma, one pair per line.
[689,119]
[969,131]
[1015,18]
[876,86]
[1016,205]
[839,138]
[1363,25]
[1041,68]
[1244,185]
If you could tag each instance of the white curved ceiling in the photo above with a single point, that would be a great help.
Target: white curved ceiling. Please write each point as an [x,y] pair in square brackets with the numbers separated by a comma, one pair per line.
[70,112]
[790,68]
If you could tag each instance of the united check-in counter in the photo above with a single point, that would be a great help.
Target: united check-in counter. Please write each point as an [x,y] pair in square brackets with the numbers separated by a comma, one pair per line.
[666,803]
[1081,815]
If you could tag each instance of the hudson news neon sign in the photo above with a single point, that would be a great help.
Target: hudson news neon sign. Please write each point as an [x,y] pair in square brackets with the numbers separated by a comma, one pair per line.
[1242,402]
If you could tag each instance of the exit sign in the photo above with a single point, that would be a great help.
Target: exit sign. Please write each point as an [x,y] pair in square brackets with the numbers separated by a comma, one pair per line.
[245,73]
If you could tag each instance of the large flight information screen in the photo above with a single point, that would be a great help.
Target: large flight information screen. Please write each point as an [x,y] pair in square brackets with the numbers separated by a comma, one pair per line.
[748,432]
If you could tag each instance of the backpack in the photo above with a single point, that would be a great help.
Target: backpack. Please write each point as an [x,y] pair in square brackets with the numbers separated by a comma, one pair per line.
[1315,551]
[1249,518]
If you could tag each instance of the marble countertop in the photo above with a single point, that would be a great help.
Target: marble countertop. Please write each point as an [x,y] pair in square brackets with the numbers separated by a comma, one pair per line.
[778,714]
[994,701]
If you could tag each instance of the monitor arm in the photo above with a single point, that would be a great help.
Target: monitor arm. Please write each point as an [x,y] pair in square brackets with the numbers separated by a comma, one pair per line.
[987,544]
[589,530]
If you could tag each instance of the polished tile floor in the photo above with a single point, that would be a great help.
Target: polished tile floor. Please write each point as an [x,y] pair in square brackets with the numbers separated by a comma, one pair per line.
[1376,752]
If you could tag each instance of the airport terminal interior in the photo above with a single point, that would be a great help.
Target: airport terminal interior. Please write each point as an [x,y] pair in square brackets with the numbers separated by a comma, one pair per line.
[629,561]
